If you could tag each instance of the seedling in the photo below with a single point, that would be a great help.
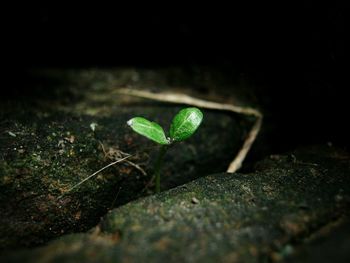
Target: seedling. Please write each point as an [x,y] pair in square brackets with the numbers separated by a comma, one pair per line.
[183,126]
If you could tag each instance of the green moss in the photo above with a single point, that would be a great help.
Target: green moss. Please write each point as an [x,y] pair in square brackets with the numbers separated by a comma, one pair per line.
[243,217]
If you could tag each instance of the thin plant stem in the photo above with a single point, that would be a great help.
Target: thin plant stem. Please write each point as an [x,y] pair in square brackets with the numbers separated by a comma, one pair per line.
[158,165]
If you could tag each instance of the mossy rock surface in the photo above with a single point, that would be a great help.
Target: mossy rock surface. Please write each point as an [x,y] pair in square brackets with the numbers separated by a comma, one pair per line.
[218,218]
[47,146]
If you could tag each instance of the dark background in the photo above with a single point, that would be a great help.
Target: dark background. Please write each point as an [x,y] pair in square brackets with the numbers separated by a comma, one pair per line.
[293,54]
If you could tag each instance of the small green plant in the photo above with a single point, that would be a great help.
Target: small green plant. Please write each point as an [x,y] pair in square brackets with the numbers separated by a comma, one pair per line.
[183,126]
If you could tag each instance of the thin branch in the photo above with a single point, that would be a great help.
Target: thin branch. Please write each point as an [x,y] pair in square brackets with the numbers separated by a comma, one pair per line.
[121,153]
[137,167]
[185,99]
[92,175]
[248,142]
[103,148]
[115,199]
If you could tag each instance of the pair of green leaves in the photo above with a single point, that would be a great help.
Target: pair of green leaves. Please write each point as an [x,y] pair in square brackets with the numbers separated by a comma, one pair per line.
[183,126]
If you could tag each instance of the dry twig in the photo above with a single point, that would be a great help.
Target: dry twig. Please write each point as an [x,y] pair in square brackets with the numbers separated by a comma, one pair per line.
[92,175]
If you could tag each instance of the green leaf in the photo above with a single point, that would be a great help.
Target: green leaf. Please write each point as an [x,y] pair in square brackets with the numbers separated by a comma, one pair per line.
[151,130]
[185,123]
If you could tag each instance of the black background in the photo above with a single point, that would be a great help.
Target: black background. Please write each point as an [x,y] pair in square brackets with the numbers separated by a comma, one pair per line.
[293,53]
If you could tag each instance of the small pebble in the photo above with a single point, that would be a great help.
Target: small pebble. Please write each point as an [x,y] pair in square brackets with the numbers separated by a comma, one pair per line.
[70,139]
[93,126]
[11,134]
[194,200]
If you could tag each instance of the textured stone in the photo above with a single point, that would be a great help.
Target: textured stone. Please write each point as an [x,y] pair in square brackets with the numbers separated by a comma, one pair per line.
[239,217]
